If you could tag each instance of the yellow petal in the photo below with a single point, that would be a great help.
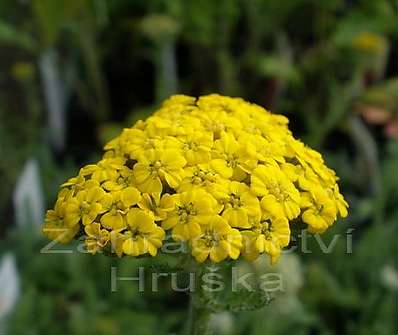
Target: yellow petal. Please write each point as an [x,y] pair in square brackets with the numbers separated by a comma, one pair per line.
[130,196]
[141,172]
[221,167]
[217,254]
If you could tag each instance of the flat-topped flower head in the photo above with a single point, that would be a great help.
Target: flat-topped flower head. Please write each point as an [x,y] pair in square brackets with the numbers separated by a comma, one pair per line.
[217,174]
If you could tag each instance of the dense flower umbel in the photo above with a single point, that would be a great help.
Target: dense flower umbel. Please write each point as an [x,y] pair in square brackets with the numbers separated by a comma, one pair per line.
[223,175]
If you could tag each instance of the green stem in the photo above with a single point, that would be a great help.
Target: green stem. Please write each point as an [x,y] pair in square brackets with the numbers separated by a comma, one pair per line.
[198,319]
[198,313]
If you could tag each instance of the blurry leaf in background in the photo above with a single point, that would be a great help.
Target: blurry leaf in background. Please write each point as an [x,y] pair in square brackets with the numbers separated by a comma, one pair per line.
[198,19]
[28,197]
[222,323]
[383,96]
[82,302]
[79,19]
[55,94]
[369,42]
[50,17]
[9,283]
[275,66]
[379,106]
[23,71]
[53,16]
[159,28]
[162,31]
[11,36]
[374,17]
[389,277]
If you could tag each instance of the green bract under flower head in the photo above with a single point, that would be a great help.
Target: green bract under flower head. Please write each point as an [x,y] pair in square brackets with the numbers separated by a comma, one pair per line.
[221,174]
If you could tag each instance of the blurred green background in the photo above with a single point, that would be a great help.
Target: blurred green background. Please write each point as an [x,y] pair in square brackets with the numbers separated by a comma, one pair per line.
[73,73]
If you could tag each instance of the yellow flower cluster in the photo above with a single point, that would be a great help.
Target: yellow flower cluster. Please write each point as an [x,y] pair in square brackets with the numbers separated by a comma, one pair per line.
[222,175]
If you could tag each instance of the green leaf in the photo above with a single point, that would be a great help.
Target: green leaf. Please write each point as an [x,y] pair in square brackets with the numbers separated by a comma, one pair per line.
[274,66]
[10,35]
